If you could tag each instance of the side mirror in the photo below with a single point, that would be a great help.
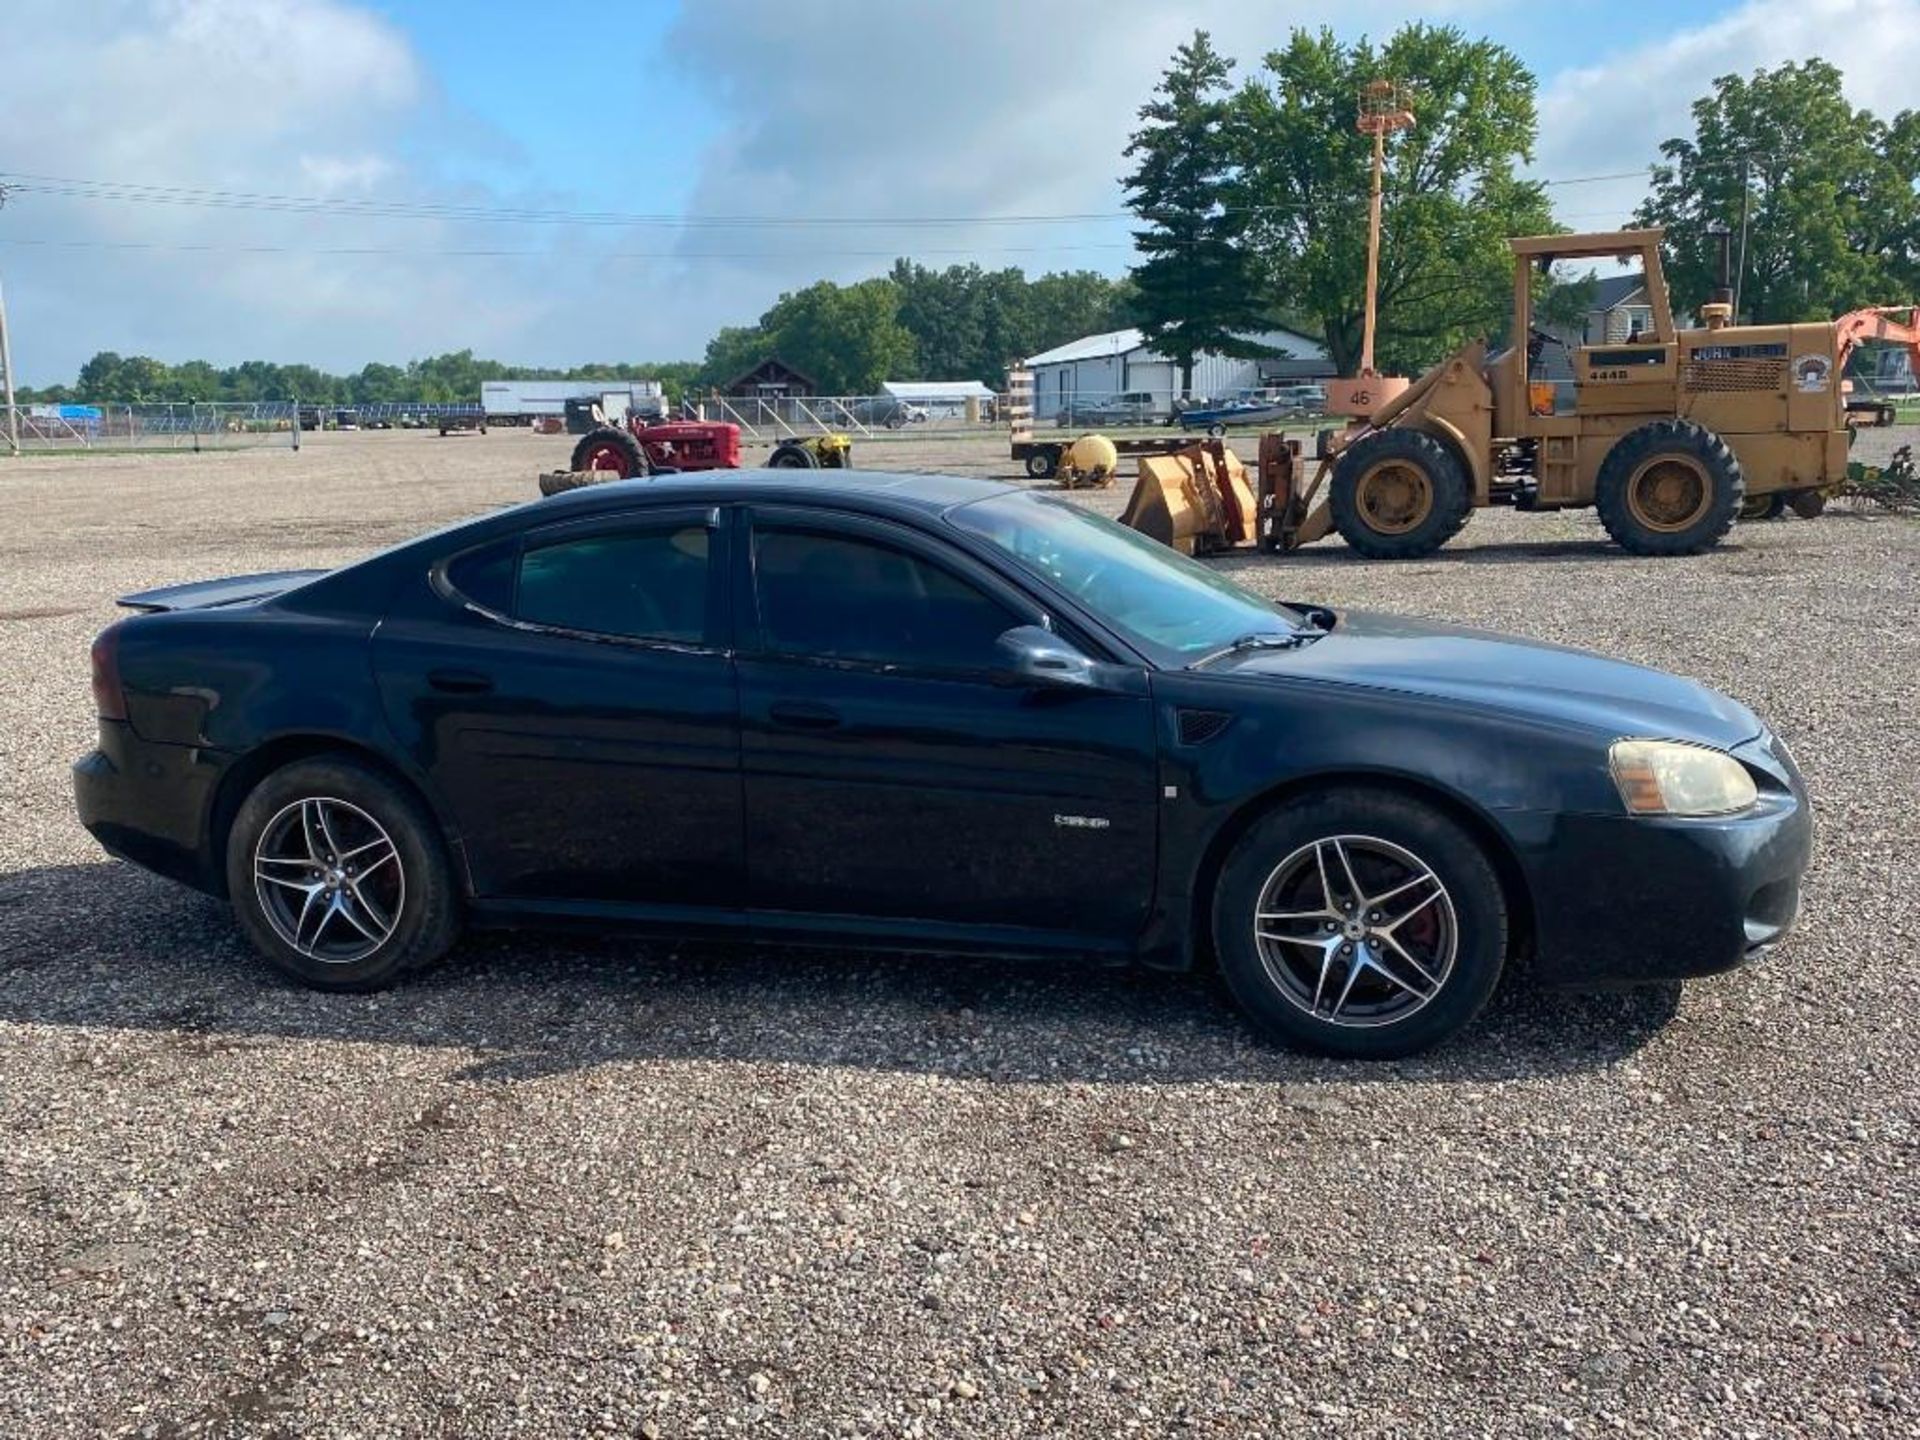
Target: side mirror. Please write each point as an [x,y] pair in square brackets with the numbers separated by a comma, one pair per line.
[1031,655]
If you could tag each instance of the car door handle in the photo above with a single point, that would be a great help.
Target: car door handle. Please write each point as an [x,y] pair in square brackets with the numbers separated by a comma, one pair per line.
[460,682]
[803,715]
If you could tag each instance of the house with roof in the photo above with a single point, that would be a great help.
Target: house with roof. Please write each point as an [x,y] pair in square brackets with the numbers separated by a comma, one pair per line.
[1620,308]
[1120,362]
[771,379]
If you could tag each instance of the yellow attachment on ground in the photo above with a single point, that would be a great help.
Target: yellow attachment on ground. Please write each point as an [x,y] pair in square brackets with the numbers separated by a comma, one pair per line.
[1090,463]
[1196,501]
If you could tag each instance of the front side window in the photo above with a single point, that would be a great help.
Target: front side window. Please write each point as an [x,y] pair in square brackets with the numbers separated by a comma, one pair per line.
[633,584]
[838,597]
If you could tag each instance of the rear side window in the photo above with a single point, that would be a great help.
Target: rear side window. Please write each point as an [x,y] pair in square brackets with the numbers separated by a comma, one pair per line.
[635,584]
[485,576]
[836,597]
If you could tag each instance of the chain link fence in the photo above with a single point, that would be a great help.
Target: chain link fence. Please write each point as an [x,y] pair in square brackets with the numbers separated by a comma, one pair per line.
[192,426]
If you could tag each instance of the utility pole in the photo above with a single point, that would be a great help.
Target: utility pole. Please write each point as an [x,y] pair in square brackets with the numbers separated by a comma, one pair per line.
[6,363]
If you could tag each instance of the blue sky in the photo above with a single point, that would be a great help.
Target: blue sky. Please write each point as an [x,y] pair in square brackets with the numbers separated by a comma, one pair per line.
[862,118]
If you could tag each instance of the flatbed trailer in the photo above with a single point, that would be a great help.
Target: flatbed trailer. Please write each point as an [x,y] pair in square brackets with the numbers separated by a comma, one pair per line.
[1042,457]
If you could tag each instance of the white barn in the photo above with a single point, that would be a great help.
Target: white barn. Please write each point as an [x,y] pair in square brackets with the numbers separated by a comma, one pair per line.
[1119,363]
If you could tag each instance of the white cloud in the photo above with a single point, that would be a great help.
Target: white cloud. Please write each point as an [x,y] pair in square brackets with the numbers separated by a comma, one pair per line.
[280,97]
[995,109]
[869,108]
[1613,115]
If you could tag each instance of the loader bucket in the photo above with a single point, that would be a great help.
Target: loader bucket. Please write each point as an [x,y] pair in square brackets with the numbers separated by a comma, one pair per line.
[1195,501]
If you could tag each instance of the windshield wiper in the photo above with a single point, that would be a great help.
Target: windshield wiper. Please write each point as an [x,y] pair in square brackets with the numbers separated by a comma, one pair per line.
[1261,640]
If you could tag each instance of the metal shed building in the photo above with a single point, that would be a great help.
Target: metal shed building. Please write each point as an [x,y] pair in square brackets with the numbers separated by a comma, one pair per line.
[1119,362]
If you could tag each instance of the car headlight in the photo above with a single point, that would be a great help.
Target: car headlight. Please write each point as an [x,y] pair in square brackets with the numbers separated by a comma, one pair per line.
[1670,777]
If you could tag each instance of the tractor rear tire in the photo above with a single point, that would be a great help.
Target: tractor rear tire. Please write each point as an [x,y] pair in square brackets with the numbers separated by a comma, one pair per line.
[611,449]
[1398,494]
[792,455]
[1669,488]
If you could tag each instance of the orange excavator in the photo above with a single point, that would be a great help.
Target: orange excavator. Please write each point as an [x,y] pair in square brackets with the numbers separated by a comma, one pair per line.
[1890,324]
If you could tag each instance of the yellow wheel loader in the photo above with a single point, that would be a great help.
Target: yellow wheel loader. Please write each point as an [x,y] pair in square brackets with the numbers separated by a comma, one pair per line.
[1669,434]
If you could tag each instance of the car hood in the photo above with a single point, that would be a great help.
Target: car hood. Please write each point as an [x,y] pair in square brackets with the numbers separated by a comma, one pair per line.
[1504,672]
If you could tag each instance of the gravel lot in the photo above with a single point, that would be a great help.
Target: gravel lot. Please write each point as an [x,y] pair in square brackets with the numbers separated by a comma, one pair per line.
[564,1187]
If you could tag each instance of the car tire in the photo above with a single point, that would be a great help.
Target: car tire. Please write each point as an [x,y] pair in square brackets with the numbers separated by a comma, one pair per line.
[1398,494]
[610,449]
[369,892]
[1669,488]
[1296,989]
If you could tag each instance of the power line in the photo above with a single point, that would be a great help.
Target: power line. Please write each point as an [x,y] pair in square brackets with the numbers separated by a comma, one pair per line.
[132,192]
[478,254]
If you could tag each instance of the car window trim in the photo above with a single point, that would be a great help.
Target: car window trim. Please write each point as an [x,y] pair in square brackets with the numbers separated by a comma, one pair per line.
[751,632]
[718,640]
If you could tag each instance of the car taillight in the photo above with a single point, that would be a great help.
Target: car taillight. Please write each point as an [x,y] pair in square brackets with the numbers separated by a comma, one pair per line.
[109,700]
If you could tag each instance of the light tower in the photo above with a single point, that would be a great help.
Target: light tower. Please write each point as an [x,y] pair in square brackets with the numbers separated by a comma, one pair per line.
[1385,106]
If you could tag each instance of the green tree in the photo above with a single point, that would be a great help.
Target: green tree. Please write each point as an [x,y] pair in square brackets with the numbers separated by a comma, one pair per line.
[1833,214]
[1197,285]
[1452,196]
[969,323]
[847,339]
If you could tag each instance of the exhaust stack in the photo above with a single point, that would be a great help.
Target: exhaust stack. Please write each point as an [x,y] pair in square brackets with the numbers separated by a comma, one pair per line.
[1718,312]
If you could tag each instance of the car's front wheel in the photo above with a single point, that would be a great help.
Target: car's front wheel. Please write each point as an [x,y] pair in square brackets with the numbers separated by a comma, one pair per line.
[339,876]
[1360,923]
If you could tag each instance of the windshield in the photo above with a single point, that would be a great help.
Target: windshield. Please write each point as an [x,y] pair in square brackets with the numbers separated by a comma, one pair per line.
[1166,603]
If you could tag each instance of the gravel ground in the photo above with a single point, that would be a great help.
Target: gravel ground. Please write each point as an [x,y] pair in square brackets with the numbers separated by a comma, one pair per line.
[563,1187]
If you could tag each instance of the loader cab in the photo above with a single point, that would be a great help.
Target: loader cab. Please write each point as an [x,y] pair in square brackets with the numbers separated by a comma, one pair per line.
[1550,385]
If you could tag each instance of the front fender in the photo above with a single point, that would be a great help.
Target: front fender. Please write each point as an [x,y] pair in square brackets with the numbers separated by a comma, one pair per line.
[1509,777]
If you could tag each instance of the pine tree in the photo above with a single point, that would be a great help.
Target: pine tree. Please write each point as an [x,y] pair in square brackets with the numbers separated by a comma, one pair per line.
[1197,286]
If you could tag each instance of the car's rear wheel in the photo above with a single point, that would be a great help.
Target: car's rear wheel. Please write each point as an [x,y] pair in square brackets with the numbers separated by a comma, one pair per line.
[1360,923]
[339,876]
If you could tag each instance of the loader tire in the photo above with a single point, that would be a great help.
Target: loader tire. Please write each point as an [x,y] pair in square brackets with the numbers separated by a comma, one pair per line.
[1669,488]
[610,449]
[1398,494]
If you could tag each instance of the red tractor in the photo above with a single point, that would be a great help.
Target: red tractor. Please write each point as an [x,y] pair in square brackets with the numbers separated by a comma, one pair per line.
[640,449]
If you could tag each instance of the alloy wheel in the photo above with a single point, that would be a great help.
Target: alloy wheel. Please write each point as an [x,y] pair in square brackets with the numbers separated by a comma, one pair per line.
[1356,931]
[329,880]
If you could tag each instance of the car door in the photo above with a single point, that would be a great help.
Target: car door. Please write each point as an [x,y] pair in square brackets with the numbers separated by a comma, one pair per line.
[571,698]
[890,775]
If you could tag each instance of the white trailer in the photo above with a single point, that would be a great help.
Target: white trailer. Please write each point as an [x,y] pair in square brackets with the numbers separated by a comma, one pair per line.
[520,402]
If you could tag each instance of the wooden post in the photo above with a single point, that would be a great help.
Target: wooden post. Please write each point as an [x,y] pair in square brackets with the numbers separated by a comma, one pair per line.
[6,379]
[1373,250]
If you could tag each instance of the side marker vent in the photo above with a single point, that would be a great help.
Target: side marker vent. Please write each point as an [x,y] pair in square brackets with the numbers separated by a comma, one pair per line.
[1199,726]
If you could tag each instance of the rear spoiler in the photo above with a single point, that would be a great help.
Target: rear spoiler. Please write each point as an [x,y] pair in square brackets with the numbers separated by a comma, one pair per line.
[205,594]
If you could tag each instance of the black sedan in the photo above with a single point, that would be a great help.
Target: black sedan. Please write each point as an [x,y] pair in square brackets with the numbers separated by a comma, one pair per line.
[932,713]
